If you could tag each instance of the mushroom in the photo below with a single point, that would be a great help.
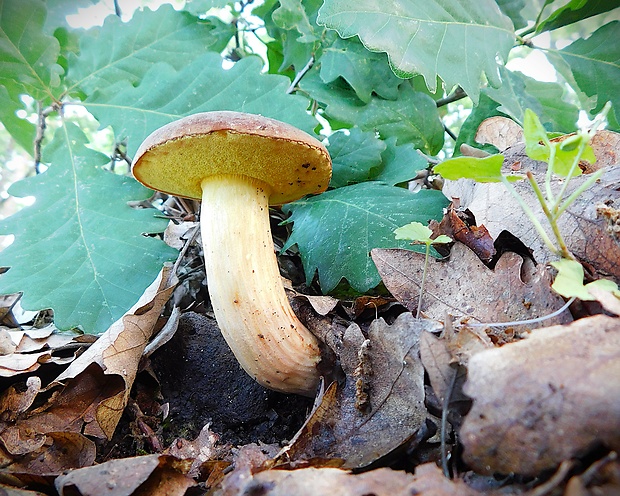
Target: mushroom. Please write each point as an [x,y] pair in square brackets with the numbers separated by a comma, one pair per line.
[239,164]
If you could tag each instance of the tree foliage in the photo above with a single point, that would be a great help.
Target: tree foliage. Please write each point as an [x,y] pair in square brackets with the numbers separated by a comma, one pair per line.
[378,75]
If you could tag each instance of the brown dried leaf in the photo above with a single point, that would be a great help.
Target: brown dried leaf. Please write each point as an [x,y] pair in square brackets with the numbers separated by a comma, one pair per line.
[153,475]
[428,480]
[18,363]
[13,491]
[609,301]
[14,403]
[199,451]
[437,360]
[117,352]
[59,452]
[476,238]
[542,400]
[501,132]
[464,286]
[382,403]
[89,396]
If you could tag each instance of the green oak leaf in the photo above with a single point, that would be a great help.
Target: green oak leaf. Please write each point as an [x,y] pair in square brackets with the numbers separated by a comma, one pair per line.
[399,163]
[354,154]
[569,281]
[366,72]
[482,170]
[58,10]
[574,11]
[27,55]
[300,16]
[411,118]
[21,130]
[80,249]
[547,100]
[595,65]
[486,108]
[336,230]
[286,54]
[166,95]
[420,37]
[201,7]
[128,50]
[513,8]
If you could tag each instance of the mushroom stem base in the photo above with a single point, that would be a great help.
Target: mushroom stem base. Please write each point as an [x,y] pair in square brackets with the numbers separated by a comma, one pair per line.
[245,286]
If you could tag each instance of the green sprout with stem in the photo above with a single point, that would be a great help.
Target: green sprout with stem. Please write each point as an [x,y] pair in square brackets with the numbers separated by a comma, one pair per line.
[420,234]
[562,158]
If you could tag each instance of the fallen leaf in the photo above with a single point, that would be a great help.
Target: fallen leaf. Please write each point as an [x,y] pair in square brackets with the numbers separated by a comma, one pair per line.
[428,480]
[60,451]
[117,353]
[155,475]
[501,132]
[437,361]
[33,347]
[18,363]
[476,238]
[608,300]
[87,399]
[199,451]
[464,286]
[381,405]
[13,491]
[13,402]
[544,399]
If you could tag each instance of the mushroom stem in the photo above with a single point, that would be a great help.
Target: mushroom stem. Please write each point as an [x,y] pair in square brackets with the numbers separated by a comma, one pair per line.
[248,298]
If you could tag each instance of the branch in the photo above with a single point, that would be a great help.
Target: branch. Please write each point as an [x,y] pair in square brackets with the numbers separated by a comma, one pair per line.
[300,75]
[458,94]
[41,125]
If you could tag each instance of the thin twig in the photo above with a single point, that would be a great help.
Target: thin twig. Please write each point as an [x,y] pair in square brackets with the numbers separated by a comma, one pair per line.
[449,132]
[117,9]
[458,94]
[300,75]
[41,125]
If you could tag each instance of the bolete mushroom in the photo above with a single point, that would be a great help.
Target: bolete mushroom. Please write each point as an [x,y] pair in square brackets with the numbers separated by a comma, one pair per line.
[239,164]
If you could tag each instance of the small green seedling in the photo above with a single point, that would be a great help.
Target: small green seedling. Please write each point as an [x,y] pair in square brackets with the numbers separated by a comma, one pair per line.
[420,234]
[562,158]
[569,281]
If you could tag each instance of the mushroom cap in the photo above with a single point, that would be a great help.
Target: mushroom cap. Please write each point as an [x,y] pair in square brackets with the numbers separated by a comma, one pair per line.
[177,157]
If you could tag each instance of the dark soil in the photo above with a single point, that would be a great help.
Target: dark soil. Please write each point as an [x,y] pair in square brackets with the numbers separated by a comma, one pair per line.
[202,382]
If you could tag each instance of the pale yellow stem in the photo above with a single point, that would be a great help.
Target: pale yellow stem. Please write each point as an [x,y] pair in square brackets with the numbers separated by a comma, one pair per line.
[248,298]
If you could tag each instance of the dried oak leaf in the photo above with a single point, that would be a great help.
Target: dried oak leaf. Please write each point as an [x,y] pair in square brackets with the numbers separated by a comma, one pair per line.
[33,347]
[585,228]
[545,399]
[381,405]
[117,354]
[501,132]
[428,480]
[155,475]
[464,286]
[200,451]
[88,398]
[60,452]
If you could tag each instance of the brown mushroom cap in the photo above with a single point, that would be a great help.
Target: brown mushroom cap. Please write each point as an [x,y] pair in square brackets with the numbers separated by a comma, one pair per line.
[176,158]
